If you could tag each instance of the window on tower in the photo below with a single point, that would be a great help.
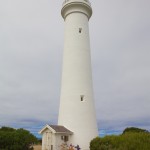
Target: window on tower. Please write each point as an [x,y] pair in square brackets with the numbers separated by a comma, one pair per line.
[80,30]
[82,98]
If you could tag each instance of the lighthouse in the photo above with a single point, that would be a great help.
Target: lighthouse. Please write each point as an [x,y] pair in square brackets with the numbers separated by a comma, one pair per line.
[77,112]
[77,120]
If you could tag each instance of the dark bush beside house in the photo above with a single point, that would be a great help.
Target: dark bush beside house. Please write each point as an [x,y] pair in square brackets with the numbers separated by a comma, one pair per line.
[127,141]
[12,139]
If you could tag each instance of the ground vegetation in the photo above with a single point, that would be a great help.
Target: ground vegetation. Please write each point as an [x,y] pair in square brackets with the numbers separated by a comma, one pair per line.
[131,139]
[16,139]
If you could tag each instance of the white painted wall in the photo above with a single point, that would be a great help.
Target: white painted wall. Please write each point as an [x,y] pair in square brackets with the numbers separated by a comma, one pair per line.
[76,115]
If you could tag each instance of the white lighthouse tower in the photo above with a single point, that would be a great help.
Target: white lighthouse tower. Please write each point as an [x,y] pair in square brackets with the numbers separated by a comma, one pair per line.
[77,112]
[77,121]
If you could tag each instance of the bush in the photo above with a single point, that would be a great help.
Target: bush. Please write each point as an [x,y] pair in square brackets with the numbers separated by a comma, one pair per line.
[128,141]
[12,139]
[134,130]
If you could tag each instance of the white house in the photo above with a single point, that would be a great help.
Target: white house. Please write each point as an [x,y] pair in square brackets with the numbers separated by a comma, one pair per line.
[55,137]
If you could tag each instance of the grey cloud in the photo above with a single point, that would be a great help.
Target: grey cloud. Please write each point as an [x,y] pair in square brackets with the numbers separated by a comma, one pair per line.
[120,55]
[31,47]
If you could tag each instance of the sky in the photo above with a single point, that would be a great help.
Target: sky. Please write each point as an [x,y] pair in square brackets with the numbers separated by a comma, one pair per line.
[31,48]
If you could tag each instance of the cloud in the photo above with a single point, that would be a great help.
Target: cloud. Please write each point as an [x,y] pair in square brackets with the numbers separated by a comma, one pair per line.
[120,59]
[31,47]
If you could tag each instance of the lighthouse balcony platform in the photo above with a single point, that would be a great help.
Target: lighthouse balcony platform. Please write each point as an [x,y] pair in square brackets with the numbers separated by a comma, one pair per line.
[71,1]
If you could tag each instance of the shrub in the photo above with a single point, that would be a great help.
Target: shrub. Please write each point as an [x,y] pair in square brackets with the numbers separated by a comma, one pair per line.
[12,139]
[128,141]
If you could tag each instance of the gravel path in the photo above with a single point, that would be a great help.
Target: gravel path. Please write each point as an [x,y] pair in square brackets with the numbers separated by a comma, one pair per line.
[37,147]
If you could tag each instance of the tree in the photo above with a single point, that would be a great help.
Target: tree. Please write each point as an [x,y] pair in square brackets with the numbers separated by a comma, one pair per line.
[12,139]
[134,130]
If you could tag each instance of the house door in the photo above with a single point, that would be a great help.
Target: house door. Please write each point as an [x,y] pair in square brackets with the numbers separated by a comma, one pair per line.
[49,144]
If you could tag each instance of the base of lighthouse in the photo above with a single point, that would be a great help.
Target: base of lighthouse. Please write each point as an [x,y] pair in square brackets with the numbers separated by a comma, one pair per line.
[56,137]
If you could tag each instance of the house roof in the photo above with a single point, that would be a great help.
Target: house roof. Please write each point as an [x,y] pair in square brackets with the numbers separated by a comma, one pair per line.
[56,129]
[60,129]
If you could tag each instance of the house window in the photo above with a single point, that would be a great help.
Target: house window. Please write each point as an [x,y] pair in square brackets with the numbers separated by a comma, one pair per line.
[65,138]
[51,147]
[62,137]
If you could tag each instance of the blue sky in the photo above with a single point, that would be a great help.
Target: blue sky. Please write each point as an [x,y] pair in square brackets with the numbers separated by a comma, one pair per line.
[31,48]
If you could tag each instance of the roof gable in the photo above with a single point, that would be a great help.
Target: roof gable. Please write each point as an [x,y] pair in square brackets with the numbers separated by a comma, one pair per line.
[56,129]
[60,129]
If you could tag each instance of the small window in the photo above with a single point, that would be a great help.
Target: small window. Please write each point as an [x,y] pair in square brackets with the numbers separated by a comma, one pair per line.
[80,30]
[82,98]
[51,147]
[62,137]
[66,138]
